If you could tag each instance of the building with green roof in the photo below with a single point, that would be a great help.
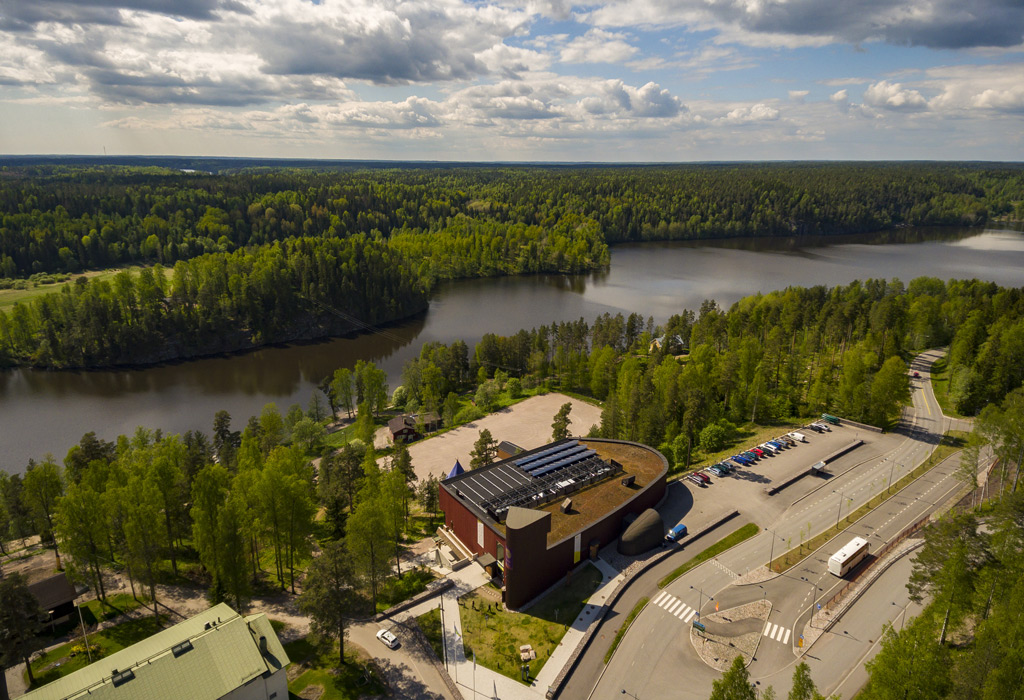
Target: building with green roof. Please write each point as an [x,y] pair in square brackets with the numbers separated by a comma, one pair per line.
[216,654]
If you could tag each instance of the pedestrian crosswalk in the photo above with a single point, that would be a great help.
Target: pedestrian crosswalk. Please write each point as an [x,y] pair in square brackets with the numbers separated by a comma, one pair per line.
[674,606]
[776,632]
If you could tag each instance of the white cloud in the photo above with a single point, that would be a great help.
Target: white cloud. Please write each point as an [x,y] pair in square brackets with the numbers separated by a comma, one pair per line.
[597,46]
[749,114]
[798,95]
[995,88]
[888,95]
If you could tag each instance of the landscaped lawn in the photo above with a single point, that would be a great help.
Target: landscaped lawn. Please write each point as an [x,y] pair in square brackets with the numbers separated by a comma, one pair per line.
[430,623]
[314,664]
[59,662]
[496,635]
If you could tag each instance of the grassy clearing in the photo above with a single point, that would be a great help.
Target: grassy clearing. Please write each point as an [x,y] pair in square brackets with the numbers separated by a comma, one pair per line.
[731,540]
[10,297]
[496,635]
[619,633]
[951,442]
[317,665]
[66,659]
[430,623]
[940,385]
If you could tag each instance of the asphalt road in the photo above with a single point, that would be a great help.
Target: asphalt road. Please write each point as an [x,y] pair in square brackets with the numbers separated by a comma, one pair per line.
[656,659]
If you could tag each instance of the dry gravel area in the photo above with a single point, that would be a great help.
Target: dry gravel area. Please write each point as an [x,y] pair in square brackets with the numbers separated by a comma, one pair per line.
[527,424]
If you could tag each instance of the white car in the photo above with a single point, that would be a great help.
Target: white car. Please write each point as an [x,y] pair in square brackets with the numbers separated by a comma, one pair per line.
[389,640]
[798,436]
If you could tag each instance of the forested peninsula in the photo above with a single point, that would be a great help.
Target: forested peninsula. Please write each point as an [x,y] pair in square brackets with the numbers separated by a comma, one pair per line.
[254,255]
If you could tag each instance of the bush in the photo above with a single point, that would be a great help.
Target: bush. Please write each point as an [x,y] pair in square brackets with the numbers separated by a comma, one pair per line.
[468,414]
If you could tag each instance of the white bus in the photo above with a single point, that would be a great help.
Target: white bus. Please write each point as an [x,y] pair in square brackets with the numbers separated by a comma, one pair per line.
[848,557]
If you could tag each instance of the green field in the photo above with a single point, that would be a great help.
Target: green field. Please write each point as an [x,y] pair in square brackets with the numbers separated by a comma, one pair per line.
[10,297]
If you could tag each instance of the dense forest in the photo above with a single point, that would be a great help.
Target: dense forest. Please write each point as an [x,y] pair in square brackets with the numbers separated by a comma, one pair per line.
[263,256]
[69,218]
[301,288]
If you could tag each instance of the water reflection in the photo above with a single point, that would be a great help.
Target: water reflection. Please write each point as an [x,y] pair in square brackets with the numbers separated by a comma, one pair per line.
[44,411]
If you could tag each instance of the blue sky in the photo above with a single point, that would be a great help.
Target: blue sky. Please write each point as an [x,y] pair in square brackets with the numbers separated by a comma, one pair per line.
[520,80]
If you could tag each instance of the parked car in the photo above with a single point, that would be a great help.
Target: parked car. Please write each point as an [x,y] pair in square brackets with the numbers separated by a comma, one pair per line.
[695,479]
[676,533]
[798,436]
[751,456]
[788,440]
[745,461]
[824,426]
[726,466]
[716,470]
[770,448]
[829,418]
[703,477]
[815,427]
[387,639]
[758,451]
[779,443]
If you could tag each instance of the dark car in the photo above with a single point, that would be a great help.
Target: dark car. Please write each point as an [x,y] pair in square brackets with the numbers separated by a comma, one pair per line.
[695,479]
[716,470]
[751,456]
[742,459]
[725,466]
[788,440]
[778,443]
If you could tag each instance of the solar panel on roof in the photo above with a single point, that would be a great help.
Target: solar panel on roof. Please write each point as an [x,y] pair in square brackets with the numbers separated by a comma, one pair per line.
[579,449]
[544,453]
[563,463]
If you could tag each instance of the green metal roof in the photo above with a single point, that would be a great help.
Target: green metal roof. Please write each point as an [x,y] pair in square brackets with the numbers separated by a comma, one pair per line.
[204,657]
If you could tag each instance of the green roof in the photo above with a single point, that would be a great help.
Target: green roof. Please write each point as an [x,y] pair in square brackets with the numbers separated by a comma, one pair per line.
[204,657]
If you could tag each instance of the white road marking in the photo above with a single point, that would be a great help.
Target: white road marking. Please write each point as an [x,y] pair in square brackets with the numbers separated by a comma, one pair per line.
[767,627]
[672,608]
[690,616]
[660,596]
[786,640]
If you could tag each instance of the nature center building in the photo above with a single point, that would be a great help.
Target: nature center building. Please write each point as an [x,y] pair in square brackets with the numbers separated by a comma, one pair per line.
[541,512]
[215,654]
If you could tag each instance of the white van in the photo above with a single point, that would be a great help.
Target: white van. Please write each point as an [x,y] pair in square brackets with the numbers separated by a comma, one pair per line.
[798,436]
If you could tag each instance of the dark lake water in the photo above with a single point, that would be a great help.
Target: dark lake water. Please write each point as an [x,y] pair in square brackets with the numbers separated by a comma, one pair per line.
[44,412]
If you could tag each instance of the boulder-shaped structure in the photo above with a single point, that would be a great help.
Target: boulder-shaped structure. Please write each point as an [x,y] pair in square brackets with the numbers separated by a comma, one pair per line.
[646,532]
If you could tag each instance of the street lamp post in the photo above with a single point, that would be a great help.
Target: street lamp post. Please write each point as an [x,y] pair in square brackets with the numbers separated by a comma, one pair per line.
[700,599]
[842,495]
[771,555]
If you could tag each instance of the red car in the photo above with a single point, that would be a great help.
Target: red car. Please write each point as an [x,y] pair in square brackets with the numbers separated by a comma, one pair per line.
[917,375]
[757,450]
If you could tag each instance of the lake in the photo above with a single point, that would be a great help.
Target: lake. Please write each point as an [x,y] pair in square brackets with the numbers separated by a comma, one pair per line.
[46,411]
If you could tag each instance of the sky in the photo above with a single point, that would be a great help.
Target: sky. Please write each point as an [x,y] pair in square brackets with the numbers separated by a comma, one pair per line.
[515,80]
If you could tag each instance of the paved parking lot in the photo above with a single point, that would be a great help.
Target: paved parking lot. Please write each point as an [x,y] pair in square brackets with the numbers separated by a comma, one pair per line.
[744,489]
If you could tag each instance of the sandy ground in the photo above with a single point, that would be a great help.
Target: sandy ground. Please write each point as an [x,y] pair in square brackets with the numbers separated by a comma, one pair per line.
[527,424]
